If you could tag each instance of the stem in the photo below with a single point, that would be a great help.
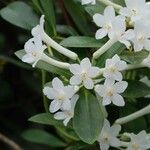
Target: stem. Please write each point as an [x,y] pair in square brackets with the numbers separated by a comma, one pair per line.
[50,51]
[109,3]
[135,66]
[134,116]
[9,142]
[45,102]
[55,62]
[58,47]
[104,48]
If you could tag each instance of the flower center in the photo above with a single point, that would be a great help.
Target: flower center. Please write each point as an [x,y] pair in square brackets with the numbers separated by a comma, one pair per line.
[105,138]
[34,54]
[69,113]
[107,26]
[84,74]
[141,38]
[110,93]
[112,69]
[61,97]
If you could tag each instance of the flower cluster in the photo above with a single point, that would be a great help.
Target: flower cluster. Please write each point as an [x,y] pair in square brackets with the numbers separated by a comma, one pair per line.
[109,137]
[111,90]
[130,27]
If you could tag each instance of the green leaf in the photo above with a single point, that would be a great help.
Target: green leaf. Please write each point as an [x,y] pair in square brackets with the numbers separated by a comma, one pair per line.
[117,48]
[77,146]
[81,41]
[78,15]
[134,57]
[88,118]
[67,30]
[42,137]
[46,7]
[136,89]
[46,119]
[93,9]
[45,66]
[20,14]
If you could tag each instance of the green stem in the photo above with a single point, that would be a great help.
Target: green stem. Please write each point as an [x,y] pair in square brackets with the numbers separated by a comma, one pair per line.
[110,3]
[45,102]
[134,116]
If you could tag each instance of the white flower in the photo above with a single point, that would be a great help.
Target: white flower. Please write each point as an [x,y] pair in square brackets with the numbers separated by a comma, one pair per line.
[34,49]
[108,136]
[110,92]
[140,141]
[84,2]
[60,95]
[146,81]
[39,31]
[105,22]
[66,115]
[135,10]
[141,38]
[84,73]
[113,67]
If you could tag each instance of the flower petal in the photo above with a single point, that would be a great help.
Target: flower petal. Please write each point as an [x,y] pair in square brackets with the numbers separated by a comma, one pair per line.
[55,105]
[75,80]
[101,33]
[100,89]
[85,63]
[115,129]
[75,69]
[66,105]
[118,100]
[88,83]
[93,72]
[66,121]
[28,58]
[49,92]
[121,86]
[109,13]
[69,90]
[98,19]
[115,142]
[60,116]
[57,84]
[106,101]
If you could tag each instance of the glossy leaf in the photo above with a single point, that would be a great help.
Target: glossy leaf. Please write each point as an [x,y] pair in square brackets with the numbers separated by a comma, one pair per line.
[88,118]
[42,137]
[136,89]
[134,57]
[82,42]
[78,15]
[20,14]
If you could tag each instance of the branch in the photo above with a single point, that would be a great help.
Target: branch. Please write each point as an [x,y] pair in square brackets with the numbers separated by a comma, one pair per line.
[134,116]
[9,142]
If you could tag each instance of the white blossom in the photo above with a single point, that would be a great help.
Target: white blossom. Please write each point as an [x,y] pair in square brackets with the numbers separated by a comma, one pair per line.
[66,115]
[84,73]
[140,141]
[114,26]
[105,22]
[108,136]
[136,10]
[110,92]
[113,67]
[84,2]
[34,50]
[59,94]
[141,39]
[39,31]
